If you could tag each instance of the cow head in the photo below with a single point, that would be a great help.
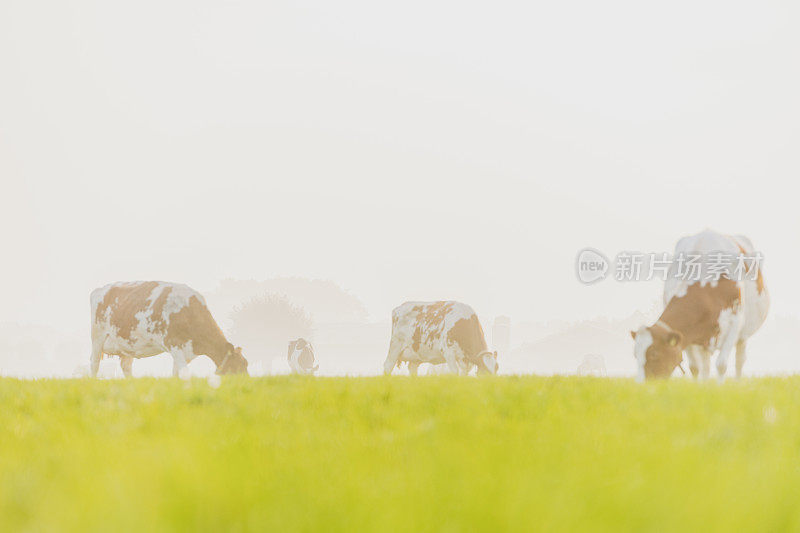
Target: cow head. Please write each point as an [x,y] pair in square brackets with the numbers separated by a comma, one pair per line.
[658,350]
[487,363]
[233,362]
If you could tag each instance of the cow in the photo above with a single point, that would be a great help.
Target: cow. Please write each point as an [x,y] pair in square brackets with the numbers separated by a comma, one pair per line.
[301,357]
[704,316]
[592,365]
[145,318]
[438,332]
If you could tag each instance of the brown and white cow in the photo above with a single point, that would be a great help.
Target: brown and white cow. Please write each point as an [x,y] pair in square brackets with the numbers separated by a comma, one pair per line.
[145,318]
[301,357]
[702,316]
[438,332]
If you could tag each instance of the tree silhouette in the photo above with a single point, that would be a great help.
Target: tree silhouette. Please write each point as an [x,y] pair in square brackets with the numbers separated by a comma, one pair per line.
[323,300]
[265,325]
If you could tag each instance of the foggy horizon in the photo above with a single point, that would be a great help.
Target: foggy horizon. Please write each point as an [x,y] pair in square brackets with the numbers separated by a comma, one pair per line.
[249,141]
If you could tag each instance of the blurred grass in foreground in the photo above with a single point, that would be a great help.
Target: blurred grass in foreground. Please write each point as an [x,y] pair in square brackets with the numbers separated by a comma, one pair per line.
[399,454]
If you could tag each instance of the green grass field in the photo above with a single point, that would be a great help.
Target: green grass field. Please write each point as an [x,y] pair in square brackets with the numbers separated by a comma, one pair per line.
[399,454]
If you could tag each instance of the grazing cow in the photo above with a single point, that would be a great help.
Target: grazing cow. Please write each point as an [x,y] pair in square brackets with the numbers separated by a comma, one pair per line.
[145,318]
[438,332]
[592,365]
[703,316]
[301,357]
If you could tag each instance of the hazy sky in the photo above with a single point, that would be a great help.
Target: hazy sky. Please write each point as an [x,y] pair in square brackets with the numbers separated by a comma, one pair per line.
[407,150]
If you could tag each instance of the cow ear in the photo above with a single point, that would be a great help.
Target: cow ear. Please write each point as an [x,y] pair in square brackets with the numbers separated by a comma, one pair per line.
[674,338]
[633,335]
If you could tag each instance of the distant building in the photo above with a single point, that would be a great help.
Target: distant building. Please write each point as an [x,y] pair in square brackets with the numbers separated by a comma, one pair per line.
[501,334]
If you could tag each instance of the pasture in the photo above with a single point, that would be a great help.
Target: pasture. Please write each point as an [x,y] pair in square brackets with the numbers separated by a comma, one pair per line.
[399,454]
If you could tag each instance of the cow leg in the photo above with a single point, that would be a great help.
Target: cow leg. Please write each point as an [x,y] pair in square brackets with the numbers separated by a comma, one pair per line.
[741,357]
[693,355]
[127,365]
[705,362]
[180,368]
[97,353]
[728,345]
[452,362]
[390,363]
[395,350]
[413,366]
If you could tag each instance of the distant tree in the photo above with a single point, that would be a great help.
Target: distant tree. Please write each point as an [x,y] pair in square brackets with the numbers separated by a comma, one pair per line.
[323,300]
[264,325]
